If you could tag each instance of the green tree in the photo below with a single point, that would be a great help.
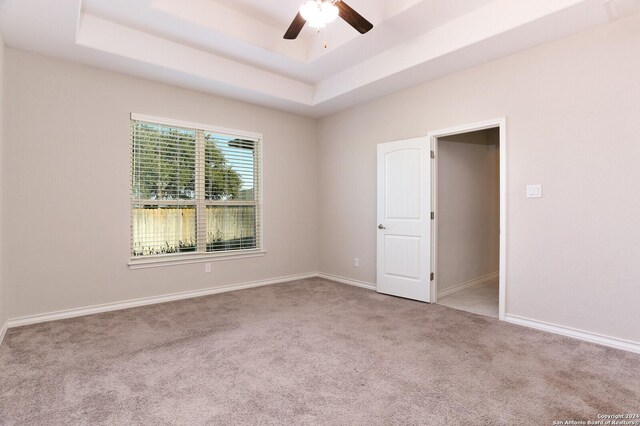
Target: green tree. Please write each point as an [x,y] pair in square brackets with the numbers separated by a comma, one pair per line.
[164,165]
[221,181]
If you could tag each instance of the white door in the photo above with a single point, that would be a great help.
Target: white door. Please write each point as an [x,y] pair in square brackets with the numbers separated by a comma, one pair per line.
[404,215]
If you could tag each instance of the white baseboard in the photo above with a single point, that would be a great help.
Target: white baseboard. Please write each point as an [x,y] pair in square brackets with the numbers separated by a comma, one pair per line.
[96,309]
[3,331]
[89,310]
[588,336]
[348,281]
[467,284]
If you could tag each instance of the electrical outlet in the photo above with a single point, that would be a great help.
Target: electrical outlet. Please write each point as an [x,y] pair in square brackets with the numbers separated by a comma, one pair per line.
[534,191]
[356,262]
[207,267]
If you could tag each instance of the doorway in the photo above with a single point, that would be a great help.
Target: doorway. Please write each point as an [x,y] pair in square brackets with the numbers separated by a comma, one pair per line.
[408,217]
[469,204]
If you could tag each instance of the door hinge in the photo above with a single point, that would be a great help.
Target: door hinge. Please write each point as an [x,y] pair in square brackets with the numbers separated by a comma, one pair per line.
[433,215]
[433,154]
[432,276]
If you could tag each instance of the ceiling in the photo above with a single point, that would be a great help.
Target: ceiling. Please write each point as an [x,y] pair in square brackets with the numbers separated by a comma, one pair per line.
[235,48]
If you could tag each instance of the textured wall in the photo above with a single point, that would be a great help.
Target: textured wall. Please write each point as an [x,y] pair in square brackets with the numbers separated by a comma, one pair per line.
[3,302]
[572,109]
[68,140]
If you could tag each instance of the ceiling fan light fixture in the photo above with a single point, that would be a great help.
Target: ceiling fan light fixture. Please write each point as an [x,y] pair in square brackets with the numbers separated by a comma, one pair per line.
[319,13]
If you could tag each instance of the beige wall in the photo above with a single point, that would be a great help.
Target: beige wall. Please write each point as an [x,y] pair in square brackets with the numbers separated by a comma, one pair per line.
[468,207]
[3,301]
[67,180]
[572,109]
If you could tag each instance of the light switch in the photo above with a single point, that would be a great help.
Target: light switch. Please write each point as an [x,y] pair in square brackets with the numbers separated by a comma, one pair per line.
[534,191]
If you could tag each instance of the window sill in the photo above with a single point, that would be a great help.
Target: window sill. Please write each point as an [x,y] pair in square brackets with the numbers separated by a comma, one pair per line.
[188,258]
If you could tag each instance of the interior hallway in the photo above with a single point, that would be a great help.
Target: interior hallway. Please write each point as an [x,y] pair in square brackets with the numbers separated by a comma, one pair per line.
[482,299]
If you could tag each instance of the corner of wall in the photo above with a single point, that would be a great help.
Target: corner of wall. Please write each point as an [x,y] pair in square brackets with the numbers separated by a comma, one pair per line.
[3,302]
[317,192]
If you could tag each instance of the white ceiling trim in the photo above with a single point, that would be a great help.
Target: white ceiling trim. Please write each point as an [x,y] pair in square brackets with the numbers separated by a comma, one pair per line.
[207,46]
[495,23]
[223,20]
[106,36]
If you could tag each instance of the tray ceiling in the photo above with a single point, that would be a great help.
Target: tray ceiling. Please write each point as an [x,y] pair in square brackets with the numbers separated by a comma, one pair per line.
[235,48]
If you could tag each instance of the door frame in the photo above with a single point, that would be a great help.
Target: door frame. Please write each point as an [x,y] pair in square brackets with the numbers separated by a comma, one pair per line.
[500,123]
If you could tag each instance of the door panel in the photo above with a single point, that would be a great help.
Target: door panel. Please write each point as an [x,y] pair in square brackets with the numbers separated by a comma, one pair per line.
[402,186]
[404,258]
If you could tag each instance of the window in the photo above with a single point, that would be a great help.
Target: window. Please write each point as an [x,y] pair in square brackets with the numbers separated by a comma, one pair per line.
[195,192]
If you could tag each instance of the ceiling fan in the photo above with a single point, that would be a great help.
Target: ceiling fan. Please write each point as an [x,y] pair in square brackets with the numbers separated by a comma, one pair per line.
[318,13]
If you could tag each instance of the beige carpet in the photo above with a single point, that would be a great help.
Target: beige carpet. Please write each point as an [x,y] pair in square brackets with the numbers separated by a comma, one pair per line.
[307,352]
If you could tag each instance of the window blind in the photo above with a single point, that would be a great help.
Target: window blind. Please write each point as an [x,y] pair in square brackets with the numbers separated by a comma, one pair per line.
[193,191]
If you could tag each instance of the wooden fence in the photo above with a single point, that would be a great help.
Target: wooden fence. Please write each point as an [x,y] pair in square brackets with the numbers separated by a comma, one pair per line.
[172,230]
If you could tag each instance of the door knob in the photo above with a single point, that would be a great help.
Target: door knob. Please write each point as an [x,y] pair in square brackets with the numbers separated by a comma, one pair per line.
[381,226]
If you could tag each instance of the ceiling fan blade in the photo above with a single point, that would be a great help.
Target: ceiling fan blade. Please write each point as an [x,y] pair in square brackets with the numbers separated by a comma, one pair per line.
[353,18]
[295,27]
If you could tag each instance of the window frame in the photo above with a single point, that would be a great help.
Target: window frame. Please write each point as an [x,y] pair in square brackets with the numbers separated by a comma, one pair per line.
[200,203]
